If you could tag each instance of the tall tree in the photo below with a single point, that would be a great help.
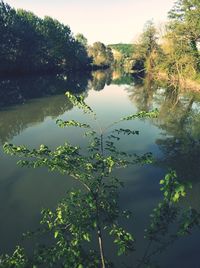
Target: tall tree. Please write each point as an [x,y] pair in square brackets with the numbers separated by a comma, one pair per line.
[100,54]
[30,44]
[81,39]
[146,49]
[185,21]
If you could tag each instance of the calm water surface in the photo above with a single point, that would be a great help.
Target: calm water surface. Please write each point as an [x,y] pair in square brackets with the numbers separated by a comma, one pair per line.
[173,138]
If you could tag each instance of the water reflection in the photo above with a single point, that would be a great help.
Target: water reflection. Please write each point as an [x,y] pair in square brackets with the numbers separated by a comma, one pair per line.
[169,224]
[15,120]
[22,91]
[142,94]
[52,102]
[19,90]
[179,118]
[179,143]
[100,79]
[181,146]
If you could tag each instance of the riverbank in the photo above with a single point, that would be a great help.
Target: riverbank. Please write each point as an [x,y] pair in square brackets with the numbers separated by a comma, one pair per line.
[184,83]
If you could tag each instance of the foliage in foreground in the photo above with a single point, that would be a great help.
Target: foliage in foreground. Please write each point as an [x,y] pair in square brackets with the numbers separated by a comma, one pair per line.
[78,227]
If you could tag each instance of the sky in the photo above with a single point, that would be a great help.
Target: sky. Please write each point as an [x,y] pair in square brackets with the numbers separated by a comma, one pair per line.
[108,21]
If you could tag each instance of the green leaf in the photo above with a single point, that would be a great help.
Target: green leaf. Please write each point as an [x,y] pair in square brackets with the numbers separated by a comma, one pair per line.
[56,234]
[78,101]
[86,237]
[71,123]
[142,114]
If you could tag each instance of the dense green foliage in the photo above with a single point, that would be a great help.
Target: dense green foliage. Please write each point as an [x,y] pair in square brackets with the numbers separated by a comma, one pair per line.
[177,54]
[182,37]
[101,55]
[125,49]
[30,44]
[82,39]
[123,56]
[146,50]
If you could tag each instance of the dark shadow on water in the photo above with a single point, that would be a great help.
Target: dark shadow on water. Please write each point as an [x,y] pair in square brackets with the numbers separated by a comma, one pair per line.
[17,90]
[30,99]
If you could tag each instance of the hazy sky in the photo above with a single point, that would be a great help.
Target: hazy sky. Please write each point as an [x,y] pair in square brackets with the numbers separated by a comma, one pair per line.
[109,21]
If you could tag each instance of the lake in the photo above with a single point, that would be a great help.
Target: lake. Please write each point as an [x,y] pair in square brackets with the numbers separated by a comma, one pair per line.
[29,108]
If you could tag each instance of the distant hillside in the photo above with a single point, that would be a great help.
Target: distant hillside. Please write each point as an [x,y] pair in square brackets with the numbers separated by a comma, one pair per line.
[123,56]
[125,49]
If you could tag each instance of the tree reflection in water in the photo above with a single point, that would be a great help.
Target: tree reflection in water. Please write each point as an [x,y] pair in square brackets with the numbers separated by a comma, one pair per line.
[179,120]
[52,102]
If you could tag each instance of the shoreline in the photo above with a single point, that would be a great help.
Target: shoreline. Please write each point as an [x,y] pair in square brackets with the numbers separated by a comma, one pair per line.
[185,83]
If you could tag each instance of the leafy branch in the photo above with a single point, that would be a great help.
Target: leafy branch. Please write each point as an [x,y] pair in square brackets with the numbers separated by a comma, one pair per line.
[92,212]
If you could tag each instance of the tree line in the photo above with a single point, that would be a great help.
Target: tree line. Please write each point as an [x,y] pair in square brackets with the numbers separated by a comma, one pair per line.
[174,50]
[30,44]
